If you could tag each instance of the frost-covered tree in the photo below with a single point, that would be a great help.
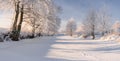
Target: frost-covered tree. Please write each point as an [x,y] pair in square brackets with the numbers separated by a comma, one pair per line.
[14,5]
[43,18]
[18,7]
[90,23]
[71,27]
[80,29]
[23,8]
[104,21]
[51,21]
[40,14]
[116,27]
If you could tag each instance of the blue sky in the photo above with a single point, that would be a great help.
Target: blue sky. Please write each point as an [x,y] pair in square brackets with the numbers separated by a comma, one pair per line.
[78,8]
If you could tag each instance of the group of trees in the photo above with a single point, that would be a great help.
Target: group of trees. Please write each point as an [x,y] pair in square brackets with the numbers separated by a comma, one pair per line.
[97,22]
[41,15]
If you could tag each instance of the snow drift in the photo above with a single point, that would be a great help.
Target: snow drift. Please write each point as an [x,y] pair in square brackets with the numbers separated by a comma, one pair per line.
[111,37]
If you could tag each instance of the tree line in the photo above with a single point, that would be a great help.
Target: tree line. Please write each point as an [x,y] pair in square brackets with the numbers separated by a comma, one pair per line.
[96,22]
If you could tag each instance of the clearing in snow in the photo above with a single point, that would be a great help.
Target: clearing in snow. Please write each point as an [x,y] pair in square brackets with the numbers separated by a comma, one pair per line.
[60,48]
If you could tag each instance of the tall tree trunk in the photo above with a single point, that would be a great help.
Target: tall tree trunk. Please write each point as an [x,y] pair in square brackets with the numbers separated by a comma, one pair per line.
[33,30]
[40,32]
[93,35]
[71,33]
[93,32]
[21,21]
[14,28]
[33,26]
[17,6]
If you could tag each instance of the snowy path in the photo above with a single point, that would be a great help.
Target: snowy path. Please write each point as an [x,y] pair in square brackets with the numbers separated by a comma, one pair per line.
[60,48]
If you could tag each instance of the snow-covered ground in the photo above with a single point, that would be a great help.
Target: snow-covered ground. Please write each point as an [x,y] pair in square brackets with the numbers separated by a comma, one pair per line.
[60,48]
[110,37]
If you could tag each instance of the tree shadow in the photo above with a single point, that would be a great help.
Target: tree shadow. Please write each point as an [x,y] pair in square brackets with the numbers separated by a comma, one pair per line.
[67,52]
[107,48]
[91,42]
[60,54]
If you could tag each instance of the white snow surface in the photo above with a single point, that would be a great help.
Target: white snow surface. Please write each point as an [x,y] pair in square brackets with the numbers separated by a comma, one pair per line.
[60,48]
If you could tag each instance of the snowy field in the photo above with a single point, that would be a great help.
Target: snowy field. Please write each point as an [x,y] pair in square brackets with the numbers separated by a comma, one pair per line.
[60,48]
